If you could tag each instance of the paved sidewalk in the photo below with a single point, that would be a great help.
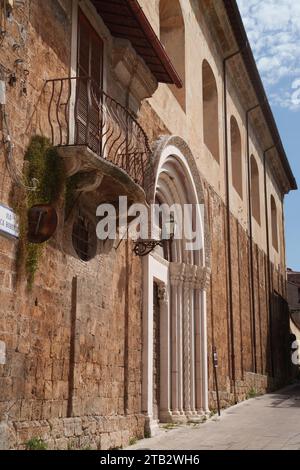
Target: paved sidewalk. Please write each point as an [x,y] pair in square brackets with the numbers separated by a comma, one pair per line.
[270,422]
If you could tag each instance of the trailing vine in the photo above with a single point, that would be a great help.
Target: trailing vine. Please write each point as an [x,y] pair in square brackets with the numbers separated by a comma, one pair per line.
[44,167]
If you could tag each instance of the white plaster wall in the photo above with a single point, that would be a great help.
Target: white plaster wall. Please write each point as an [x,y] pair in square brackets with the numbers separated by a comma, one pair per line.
[293,296]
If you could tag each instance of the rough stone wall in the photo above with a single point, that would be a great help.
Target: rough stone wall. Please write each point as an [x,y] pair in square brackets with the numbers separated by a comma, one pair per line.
[251,386]
[80,433]
[218,325]
[152,123]
[41,31]
[73,343]
[293,289]
[246,345]
[101,324]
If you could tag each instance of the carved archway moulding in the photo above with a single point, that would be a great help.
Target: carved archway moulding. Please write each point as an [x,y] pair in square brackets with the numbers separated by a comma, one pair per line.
[159,148]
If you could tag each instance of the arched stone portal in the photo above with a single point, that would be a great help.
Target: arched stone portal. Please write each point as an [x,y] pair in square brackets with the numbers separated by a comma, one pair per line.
[182,278]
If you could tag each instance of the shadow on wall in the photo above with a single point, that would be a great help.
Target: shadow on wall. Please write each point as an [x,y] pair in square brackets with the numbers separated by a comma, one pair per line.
[172,36]
[278,370]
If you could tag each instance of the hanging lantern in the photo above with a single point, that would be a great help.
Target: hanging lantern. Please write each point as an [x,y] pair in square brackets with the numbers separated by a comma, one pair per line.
[42,223]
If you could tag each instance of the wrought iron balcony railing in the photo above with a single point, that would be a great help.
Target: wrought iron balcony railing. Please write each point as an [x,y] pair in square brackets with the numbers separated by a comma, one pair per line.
[81,114]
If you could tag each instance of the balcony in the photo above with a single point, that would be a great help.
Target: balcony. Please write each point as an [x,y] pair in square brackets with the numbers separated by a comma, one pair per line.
[96,136]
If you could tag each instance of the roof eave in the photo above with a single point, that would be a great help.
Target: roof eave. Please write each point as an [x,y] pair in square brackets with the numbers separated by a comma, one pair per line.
[155,42]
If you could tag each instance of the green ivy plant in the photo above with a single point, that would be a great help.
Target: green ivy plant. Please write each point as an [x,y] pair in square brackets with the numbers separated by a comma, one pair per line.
[44,171]
[252,393]
[36,444]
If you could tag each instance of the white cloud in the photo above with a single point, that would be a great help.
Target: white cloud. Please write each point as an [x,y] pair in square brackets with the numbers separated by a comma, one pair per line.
[273,28]
[296,84]
[288,98]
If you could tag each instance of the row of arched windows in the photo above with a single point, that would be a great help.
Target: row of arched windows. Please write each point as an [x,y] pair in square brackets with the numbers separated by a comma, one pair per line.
[172,35]
[255,203]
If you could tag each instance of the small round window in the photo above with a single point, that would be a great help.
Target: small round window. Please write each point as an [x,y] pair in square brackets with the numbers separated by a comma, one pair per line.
[84,238]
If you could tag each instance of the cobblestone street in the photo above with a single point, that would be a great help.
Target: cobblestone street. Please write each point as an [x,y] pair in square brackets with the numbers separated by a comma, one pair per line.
[269,422]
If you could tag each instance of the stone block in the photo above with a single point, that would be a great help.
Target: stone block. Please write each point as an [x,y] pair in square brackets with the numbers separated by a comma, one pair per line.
[6,387]
[61,443]
[69,427]
[78,431]
[48,392]
[105,442]
[7,436]
[26,413]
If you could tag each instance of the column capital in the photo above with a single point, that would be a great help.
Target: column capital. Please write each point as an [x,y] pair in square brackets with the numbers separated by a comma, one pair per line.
[177,271]
[163,293]
[190,275]
[203,275]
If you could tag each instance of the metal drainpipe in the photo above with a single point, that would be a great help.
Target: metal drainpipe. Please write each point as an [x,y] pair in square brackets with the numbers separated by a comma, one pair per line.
[268,257]
[225,60]
[284,245]
[251,240]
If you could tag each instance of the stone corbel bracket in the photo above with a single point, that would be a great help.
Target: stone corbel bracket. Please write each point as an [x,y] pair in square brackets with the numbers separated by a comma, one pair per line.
[80,159]
[132,73]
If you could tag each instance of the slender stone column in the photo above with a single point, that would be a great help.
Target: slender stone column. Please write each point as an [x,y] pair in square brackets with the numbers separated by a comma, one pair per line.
[205,282]
[147,380]
[165,366]
[198,340]
[192,335]
[174,347]
[202,281]
[191,271]
[180,345]
[176,279]
[186,348]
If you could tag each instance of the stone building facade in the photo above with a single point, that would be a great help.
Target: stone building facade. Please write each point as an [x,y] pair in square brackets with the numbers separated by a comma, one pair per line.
[293,295]
[106,344]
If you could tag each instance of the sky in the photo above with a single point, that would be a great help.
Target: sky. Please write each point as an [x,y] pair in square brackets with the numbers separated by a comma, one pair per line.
[273,28]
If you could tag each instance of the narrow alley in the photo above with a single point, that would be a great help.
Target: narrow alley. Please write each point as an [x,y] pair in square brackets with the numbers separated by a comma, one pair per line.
[268,422]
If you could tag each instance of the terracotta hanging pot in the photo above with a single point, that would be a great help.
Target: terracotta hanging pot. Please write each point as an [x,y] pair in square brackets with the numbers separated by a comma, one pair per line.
[42,223]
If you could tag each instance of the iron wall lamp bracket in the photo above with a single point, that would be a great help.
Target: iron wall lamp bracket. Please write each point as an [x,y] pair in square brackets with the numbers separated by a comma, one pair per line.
[145,247]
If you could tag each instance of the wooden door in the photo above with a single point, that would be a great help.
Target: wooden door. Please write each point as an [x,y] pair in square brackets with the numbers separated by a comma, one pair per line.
[89,85]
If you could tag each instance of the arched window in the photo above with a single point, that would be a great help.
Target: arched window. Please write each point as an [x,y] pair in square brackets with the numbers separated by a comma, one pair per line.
[210,111]
[255,191]
[274,223]
[236,156]
[172,36]
[84,238]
